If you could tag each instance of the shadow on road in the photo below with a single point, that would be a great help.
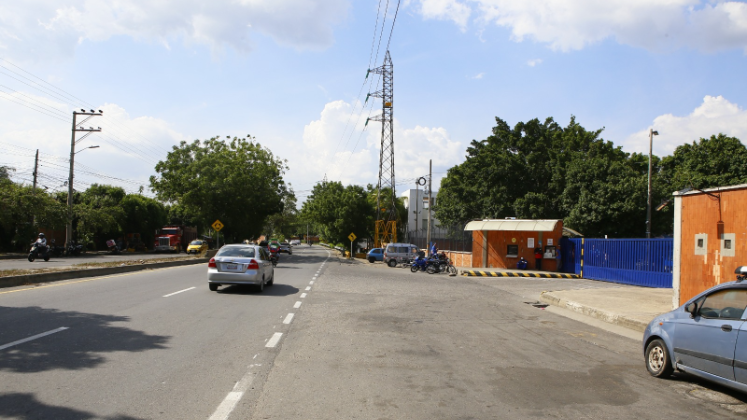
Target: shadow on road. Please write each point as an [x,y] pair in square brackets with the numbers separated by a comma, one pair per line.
[79,347]
[26,406]
[274,290]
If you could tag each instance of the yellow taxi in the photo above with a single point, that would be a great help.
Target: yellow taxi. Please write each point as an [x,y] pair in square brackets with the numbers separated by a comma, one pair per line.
[197,247]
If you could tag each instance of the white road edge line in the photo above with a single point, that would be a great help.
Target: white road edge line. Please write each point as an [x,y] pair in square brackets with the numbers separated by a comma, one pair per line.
[274,340]
[288,318]
[176,293]
[226,406]
[33,337]
[297,305]
[303,295]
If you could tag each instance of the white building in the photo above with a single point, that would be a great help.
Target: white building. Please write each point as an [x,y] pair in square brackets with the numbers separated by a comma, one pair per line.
[416,203]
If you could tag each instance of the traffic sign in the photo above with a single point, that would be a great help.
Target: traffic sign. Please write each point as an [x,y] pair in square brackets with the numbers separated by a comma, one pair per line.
[352,237]
[217,225]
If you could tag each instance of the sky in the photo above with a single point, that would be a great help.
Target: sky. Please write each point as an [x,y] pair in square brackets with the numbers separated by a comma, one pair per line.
[292,74]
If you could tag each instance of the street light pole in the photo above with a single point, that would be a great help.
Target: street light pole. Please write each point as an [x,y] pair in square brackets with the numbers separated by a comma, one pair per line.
[651,134]
[73,142]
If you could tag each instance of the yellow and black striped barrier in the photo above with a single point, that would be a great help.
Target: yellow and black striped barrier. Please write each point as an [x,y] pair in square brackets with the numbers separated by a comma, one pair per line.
[473,273]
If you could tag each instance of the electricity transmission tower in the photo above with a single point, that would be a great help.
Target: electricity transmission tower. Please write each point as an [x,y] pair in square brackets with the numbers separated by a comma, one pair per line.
[386,212]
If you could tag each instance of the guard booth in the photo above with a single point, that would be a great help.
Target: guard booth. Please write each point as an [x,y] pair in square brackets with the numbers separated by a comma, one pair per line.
[499,243]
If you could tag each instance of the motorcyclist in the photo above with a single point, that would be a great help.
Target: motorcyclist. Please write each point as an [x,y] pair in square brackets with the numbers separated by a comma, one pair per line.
[41,242]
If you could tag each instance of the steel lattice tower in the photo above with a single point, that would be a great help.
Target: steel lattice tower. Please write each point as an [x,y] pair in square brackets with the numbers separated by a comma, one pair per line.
[386,217]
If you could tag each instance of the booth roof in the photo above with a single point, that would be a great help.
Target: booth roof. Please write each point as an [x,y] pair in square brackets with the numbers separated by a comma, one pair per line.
[513,225]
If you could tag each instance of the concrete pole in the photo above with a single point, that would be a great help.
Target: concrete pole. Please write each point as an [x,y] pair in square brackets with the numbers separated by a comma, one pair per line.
[36,167]
[651,134]
[69,225]
[430,185]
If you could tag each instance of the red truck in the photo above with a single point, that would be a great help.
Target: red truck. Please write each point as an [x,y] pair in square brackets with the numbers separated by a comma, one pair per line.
[174,238]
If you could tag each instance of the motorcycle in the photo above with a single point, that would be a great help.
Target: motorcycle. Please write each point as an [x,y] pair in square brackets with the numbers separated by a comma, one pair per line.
[56,250]
[74,249]
[421,263]
[113,247]
[38,250]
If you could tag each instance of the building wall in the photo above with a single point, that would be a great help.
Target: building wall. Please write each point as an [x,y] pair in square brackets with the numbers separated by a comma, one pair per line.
[497,247]
[703,267]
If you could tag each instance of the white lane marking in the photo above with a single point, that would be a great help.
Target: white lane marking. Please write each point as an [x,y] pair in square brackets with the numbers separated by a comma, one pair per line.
[33,337]
[226,406]
[288,319]
[303,295]
[297,305]
[311,282]
[308,288]
[176,293]
[274,340]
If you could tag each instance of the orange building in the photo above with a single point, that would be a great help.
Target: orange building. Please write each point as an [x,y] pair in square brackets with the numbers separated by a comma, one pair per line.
[501,243]
[710,239]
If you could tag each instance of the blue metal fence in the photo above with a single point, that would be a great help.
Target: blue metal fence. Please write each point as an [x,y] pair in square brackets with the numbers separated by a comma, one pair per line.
[639,262]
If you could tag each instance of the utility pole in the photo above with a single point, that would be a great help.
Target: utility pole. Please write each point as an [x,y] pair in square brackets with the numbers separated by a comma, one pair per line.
[430,191]
[386,220]
[73,142]
[36,167]
[651,134]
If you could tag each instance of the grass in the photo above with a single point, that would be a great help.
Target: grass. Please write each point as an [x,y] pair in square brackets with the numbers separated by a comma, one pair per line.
[85,266]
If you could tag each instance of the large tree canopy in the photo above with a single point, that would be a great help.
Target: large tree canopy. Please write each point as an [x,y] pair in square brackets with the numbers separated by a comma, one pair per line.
[237,181]
[336,211]
[541,170]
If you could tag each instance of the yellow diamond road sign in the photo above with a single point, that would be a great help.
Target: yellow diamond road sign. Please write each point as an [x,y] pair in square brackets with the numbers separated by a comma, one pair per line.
[217,225]
[352,237]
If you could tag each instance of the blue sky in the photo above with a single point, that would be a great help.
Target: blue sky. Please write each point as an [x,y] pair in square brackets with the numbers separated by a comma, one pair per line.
[289,72]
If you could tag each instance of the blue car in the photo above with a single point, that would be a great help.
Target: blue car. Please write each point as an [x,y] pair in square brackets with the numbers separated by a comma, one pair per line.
[376,254]
[705,337]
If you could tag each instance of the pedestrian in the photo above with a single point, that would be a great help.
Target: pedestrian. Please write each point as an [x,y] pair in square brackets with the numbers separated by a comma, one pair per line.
[538,258]
[434,249]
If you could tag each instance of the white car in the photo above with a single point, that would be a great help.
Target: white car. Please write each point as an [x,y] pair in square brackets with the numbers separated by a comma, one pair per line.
[241,264]
[295,242]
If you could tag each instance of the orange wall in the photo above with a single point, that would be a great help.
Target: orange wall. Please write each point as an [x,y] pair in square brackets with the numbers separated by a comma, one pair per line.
[460,259]
[498,242]
[700,214]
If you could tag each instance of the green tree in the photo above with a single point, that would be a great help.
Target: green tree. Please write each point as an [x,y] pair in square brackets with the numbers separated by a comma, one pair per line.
[717,161]
[336,211]
[237,181]
[23,211]
[143,215]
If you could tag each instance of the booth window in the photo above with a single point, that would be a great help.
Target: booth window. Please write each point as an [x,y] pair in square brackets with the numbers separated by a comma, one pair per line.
[701,244]
[512,251]
[727,244]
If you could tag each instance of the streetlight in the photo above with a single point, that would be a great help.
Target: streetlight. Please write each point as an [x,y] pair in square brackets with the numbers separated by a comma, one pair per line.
[89,147]
[651,134]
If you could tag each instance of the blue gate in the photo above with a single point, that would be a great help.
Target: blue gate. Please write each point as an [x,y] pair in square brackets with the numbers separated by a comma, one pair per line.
[639,262]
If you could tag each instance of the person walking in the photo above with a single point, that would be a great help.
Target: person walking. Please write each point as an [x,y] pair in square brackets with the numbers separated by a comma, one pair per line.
[538,258]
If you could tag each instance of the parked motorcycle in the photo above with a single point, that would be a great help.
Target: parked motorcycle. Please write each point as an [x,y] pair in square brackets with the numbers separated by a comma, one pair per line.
[421,263]
[56,250]
[74,248]
[113,247]
[38,250]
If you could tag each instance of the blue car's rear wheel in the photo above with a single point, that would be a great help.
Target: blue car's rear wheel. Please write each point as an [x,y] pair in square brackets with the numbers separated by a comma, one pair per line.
[372,260]
[657,359]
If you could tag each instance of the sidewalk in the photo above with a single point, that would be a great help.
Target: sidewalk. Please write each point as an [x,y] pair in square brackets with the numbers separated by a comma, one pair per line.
[627,306]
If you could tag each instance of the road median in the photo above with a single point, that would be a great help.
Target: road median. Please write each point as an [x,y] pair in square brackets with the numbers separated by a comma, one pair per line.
[24,279]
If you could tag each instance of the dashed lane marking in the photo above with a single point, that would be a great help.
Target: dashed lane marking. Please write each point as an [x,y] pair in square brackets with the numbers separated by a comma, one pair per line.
[33,337]
[288,319]
[303,295]
[297,305]
[308,288]
[274,340]
[176,293]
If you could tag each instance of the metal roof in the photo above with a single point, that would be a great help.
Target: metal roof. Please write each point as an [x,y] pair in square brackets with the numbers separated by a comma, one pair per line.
[513,225]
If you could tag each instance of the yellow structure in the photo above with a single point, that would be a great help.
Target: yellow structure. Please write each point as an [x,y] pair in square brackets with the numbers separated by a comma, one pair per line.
[385,232]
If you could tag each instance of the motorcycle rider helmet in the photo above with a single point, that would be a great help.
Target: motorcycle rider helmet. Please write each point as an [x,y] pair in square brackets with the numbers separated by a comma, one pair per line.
[41,235]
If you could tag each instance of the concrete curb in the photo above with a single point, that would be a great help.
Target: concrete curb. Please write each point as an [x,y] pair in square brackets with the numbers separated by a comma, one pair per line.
[473,273]
[601,314]
[91,272]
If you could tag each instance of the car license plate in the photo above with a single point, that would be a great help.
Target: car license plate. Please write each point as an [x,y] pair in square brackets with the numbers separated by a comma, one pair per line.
[232,267]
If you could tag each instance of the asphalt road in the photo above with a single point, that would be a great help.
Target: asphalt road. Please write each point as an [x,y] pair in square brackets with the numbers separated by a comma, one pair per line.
[24,264]
[135,350]
[364,342]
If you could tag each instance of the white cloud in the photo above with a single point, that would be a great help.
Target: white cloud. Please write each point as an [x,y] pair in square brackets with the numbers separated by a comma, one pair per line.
[715,115]
[706,25]
[328,148]
[53,28]
[129,147]
[534,62]
[446,10]
[478,76]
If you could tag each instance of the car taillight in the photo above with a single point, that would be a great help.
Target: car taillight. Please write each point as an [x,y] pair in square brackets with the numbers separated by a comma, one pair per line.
[211,263]
[252,265]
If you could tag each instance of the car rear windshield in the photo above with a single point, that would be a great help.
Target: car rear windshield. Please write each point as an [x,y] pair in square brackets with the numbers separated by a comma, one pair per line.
[244,252]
